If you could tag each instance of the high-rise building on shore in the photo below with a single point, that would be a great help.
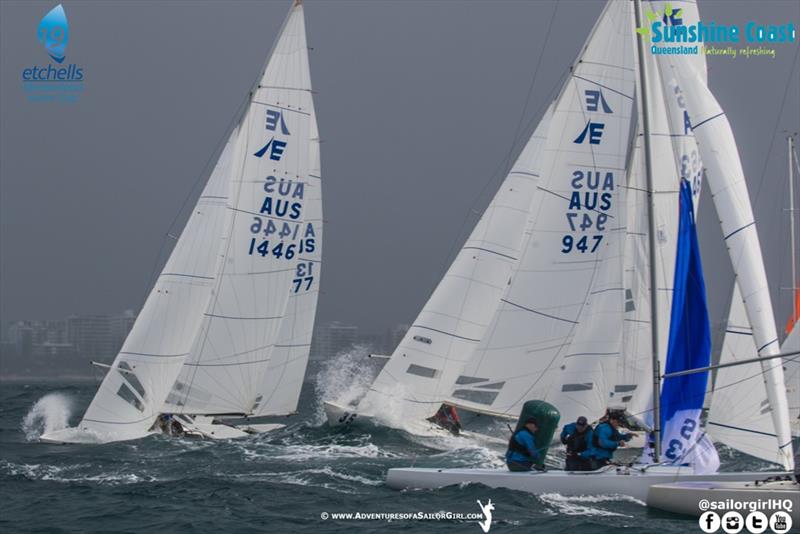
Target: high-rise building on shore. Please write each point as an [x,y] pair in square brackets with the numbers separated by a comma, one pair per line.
[331,338]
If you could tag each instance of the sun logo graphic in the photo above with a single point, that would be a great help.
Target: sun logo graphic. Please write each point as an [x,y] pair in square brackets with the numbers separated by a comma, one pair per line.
[53,33]
[670,17]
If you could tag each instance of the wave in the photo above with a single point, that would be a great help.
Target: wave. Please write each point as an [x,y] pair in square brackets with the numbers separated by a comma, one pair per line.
[344,379]
[48,414]
[52,473]
[581,504]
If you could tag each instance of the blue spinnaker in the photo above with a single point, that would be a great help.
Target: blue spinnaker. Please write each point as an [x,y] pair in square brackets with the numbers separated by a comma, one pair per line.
[682,440]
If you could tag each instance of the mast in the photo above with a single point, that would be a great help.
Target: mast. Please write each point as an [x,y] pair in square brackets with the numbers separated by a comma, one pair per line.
[651,224]
[790,139]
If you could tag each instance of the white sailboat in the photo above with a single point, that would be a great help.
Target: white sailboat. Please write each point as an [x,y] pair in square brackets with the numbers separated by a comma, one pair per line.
[420,372]
[557,359]
[226,328]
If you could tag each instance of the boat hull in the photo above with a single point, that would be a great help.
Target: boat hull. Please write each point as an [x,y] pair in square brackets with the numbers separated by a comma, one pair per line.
[206,427]
[340,415]
[684,497]
[633,482]
[78,436]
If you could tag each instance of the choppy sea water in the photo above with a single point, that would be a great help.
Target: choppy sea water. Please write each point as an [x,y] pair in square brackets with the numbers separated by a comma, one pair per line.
[277,482]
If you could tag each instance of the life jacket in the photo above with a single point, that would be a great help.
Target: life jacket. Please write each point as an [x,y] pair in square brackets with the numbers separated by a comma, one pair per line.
[615,435]
[515,446]
[577,442]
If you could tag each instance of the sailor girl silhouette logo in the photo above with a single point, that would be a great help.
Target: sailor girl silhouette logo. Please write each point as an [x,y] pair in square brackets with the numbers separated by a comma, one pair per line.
[53,33]
[486,509]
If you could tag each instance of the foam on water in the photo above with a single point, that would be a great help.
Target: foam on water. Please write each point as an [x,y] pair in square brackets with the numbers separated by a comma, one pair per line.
[48,414]
[582,504]
[71,473]
[344,379]
[291,451]
[307,477]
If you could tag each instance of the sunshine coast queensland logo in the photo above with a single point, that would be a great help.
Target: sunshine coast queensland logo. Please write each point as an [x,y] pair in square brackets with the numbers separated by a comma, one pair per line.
[669,34]
[58,80]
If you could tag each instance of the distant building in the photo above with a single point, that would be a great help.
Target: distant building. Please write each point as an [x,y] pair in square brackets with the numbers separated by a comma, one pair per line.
[25,336]
[332,338]
[91,336]
[54,350]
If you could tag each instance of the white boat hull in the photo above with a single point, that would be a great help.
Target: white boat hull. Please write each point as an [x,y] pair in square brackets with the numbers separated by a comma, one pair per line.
[83,437]
[684,497]
[207,428]
[340,415]
[343,416]
[634,482]
[197,427]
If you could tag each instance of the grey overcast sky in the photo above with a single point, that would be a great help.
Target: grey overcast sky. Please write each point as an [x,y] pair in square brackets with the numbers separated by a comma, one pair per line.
[419,104]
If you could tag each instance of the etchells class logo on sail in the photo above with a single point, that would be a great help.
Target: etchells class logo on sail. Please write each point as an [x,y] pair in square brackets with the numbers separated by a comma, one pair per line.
[669,33]
[56,81]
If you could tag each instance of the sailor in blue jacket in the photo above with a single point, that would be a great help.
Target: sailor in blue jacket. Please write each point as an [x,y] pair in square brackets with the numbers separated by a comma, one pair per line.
[606,438]
[577,437]
[522,453]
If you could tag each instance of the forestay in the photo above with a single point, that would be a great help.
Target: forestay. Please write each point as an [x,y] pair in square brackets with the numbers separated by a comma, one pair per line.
[421,371]
[132,393]
[542,331]
[225,371]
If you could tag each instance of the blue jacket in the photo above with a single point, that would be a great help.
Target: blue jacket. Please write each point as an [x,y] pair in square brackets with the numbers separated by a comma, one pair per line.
[526,441]
[574,441]
[605,441]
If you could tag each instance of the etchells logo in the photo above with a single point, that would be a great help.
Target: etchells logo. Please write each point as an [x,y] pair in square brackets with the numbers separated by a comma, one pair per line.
[669,34]
[55,81]
[53,33]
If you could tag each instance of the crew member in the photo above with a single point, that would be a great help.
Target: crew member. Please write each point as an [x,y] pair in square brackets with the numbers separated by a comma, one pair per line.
[522,454]
[447,418]
[577,437]
[606,438]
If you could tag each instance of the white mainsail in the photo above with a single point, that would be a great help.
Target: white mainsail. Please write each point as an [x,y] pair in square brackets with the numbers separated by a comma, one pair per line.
[726,181]
[558,318]
[267,237]
[420,373]
[132,393]
[280,388]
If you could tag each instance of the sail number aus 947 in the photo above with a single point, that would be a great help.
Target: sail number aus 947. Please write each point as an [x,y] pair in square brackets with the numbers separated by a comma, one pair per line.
[590,201]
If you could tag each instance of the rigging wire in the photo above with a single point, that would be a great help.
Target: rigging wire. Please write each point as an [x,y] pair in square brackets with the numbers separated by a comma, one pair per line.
[505,161]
